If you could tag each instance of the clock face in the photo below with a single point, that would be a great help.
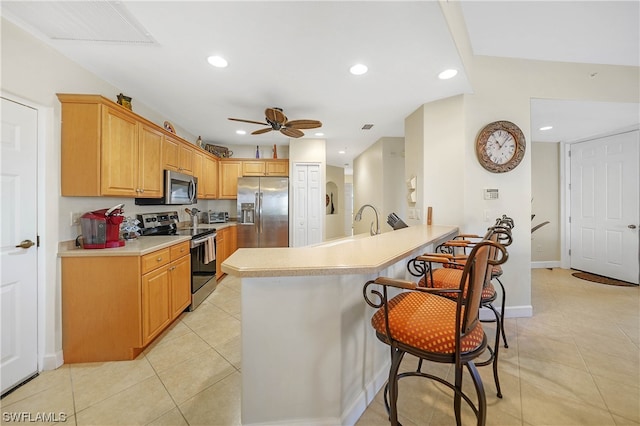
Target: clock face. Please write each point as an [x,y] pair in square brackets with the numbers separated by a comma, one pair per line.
[500,146]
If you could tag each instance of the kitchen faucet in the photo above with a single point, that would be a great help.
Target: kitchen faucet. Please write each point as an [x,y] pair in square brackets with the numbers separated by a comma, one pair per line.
[358,218]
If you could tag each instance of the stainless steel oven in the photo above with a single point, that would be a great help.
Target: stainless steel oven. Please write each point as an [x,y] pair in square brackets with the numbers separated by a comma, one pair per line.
[203,268]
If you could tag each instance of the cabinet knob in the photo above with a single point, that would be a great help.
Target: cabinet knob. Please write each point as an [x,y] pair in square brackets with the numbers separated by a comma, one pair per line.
[159,259]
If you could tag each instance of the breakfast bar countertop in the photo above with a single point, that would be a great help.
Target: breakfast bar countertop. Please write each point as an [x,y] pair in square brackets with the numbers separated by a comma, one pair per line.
[358,254]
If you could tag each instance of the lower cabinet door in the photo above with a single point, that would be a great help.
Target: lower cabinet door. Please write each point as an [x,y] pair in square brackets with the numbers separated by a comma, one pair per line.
[156,303]
[180,285]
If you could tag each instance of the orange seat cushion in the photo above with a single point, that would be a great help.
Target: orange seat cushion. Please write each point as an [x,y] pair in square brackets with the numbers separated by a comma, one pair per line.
[425,322]
[450,278]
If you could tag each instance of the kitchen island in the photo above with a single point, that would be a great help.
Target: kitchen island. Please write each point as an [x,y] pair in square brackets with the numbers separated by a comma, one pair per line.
[309,354]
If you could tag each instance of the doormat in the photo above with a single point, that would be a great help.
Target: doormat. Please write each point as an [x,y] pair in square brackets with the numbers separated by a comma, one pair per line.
[601,280]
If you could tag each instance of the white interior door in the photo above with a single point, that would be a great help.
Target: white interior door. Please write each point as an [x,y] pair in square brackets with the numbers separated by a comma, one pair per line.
[308,208]
[19,288]
[604,206]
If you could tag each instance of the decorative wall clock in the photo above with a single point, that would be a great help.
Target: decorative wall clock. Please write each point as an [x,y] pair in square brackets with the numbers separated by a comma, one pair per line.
[500,146]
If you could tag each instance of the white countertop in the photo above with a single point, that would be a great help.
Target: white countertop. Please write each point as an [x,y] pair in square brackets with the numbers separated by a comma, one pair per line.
[138,247]
[360,254]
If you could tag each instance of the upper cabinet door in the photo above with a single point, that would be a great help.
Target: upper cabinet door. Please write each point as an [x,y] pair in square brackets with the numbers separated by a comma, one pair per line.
[119,168]
[230,171]
[171,154]
[150,183]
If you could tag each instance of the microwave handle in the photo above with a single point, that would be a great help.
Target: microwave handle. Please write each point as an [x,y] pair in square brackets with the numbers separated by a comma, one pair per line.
[192,191]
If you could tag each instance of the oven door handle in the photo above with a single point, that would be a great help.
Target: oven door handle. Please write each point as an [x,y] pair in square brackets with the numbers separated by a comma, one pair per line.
[199,241]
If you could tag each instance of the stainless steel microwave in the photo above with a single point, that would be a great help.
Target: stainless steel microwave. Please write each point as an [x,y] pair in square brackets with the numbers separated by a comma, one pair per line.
[178,189]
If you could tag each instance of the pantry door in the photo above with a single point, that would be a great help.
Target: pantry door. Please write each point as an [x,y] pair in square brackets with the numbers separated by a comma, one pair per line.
[604,206]
[18,257]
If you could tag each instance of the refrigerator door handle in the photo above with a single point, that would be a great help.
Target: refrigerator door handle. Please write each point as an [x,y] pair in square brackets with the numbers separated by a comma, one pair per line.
[260,212]
[256,218]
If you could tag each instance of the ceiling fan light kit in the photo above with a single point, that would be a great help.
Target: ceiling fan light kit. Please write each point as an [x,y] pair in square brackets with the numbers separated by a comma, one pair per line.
[277,120]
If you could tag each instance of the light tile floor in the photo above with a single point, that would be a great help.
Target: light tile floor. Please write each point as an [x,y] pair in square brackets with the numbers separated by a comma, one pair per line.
[575,362]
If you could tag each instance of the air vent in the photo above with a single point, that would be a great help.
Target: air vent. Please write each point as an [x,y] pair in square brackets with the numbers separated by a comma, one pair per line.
[367,127]
[102,21]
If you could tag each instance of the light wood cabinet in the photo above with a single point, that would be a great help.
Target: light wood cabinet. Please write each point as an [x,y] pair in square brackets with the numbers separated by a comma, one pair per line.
[230,171]
[177,156]
[150,162]
[198,172]
[114,306]
[210,172]
[119,150]
[106,150]
[156,303]
[166,288]
[277,167]
[265,167]
[226,245]
[221,251]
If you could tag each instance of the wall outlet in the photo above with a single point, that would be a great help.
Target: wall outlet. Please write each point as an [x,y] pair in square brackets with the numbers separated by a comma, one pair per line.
[75,219]
[411,213]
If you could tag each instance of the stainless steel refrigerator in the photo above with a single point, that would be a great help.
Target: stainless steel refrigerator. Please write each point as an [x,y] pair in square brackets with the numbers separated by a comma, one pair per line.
[263,212]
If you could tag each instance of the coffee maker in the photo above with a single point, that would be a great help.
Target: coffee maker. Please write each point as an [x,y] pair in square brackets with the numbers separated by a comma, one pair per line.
[101,228]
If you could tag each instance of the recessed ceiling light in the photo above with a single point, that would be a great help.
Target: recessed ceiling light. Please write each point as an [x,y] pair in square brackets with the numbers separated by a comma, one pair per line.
[546,128]
[342,151]
[319,134]
[358,69]
[241,132]
[217,61]
[447,74]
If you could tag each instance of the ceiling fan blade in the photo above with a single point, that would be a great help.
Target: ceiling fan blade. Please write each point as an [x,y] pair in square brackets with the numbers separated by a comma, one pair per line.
[275,115]
[261,131]
[303,124]
[262,123]
[292,133]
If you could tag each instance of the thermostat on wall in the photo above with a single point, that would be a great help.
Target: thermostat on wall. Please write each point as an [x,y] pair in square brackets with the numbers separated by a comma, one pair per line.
[491,193]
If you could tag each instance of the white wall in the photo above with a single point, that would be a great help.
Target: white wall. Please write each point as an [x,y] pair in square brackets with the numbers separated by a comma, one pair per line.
[378,179]
[335,222]
[545,204]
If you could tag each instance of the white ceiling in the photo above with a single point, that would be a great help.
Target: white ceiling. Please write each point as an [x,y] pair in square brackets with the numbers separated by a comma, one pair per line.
[296,55]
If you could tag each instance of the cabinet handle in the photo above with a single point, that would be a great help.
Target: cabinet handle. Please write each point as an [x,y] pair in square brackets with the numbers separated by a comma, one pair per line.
[141,190]
[159,259]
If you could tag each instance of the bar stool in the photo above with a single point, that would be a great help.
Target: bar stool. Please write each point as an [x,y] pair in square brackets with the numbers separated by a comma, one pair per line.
[433,328]
[450,275]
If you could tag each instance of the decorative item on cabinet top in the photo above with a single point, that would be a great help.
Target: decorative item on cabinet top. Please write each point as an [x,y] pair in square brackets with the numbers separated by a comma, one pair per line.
[218,151]
[125,101]
[169,127]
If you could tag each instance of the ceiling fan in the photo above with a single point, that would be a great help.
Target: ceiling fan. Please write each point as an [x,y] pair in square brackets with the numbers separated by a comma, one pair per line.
[278,121]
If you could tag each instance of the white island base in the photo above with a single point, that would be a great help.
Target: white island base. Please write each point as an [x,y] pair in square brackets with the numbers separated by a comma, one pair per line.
[309,353]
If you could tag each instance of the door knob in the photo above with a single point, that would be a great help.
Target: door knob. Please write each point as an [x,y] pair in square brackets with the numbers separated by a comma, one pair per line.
[631,227]
[26,244]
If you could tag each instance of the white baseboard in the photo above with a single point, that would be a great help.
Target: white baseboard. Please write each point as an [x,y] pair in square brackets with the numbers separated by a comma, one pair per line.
[509,312]
[545,264]
[52,361]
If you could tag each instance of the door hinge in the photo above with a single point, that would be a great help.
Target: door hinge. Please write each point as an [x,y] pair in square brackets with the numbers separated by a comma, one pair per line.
[37,240]
[569,252]
[569,153]
[569,187]
[569,219]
